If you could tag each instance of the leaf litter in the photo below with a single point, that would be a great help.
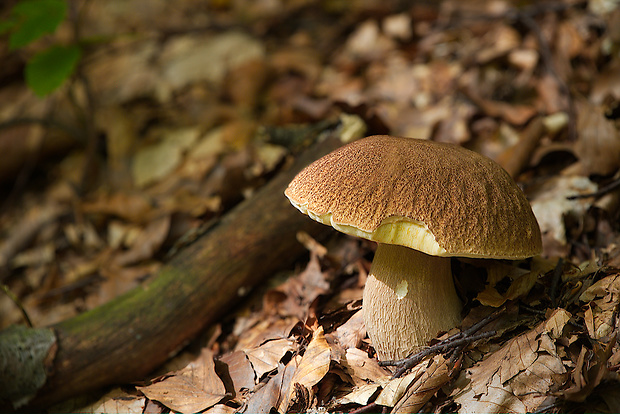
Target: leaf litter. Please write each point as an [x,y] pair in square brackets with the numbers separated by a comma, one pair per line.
[180,111]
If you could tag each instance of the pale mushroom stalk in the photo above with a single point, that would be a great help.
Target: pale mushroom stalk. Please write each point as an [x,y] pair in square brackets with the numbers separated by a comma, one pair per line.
[409,298]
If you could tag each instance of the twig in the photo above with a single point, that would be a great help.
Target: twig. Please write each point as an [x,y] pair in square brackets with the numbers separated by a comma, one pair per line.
[369,408]
[601,191]
[17,303]
[456,341]
[557,273]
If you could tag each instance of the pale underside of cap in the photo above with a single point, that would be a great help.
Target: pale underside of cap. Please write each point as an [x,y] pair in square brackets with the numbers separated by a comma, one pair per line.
[437,198]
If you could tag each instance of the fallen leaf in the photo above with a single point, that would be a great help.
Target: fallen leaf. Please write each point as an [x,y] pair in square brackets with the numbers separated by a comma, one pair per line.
[148,242]
[395,388]
[362,368]
[432,379]
[590,370]
[273,393]
[194,388]
[519,376]
[361,395]
[116,401]
[598,144]
[351,333]
[312,367]
[240,370]
[266,357]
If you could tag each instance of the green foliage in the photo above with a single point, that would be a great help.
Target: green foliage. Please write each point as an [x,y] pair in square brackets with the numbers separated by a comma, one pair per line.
[47,70]
[28,21]
[31,19]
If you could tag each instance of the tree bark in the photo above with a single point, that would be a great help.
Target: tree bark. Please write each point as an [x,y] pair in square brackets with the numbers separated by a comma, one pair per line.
[127,338]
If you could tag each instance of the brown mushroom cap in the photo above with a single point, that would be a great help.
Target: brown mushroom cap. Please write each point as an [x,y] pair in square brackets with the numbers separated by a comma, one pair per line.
[441,199]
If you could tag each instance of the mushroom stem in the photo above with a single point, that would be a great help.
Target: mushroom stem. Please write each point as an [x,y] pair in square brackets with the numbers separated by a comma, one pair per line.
[409,297]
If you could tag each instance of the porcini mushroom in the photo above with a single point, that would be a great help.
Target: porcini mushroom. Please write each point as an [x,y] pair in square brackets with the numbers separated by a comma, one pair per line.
[422,202]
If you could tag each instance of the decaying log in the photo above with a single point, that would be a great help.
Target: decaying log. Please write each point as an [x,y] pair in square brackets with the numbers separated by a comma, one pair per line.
[127,338]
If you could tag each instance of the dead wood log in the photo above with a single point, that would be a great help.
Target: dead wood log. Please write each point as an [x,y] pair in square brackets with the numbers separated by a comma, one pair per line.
[127,338]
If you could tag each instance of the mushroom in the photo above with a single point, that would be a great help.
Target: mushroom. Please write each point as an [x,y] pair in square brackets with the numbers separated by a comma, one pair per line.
[422,202]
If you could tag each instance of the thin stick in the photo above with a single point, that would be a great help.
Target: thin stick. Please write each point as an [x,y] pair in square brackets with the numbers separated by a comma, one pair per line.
[557,273]
[601,192]
[17,303]
[457,340]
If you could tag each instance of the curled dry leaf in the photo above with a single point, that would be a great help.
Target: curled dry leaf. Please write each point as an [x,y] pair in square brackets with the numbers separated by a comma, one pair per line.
[133,207]
[312,367]
[432,379]
[273,393]
[146,243]
[240,370]
[361,395]
[362,368]
[551,205]
[598,146]
[602,299]
[519,376]
[590,370]
[116,402]
[192,389]
[396,387]
[266,357]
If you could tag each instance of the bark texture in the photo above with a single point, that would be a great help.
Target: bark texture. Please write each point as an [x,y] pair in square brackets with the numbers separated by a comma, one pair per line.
[127,338]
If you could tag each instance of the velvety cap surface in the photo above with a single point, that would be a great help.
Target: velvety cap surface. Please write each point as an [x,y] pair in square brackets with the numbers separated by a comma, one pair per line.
[438,198]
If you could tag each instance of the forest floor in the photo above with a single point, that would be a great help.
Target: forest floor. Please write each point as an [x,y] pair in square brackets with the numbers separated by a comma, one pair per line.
[178,111]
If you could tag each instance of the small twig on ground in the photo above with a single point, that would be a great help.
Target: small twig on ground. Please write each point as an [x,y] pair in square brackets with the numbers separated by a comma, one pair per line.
[456,341]
[17,303]
[557,274]
[369,408]
[601,192]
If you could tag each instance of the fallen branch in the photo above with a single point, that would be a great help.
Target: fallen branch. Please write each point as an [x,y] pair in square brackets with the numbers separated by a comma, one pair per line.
[127,338]
[455,341]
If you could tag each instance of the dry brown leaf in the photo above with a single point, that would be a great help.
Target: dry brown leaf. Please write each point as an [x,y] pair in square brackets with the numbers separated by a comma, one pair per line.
[351,333]
[266,357]
[256,329]
[598,145]
[126,74]
[192,389]
[193,58]
[301,290]
[602,301]
[133,207]
[362,368]
[273,393]
[519,376]
[240,370]
[498,42]
[360,395]
[395,388]
[590,370]
[311,368]
[116,401]
[491,297]
[550,205]
[26,229]
[146,244]
[315,362]
[154,162]
[607,83]
[432,379]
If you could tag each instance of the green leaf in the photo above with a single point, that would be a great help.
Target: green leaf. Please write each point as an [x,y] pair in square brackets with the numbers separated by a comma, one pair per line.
[35,18]
[49,69]
[6,25]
